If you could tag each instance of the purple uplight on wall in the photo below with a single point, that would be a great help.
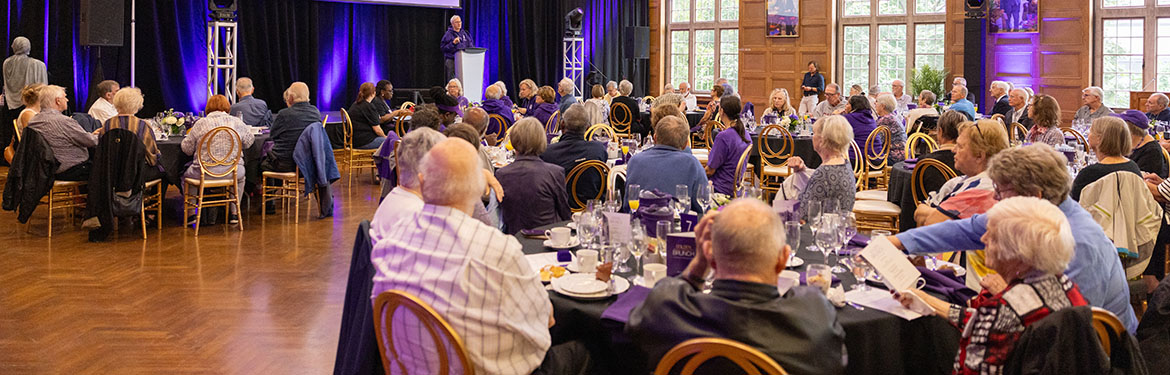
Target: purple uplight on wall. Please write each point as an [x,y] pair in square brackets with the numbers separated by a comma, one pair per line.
[334,61]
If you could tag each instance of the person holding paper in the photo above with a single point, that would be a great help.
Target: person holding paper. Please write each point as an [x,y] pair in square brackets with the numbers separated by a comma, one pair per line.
[744,244]
[1039,171]
[1029,244]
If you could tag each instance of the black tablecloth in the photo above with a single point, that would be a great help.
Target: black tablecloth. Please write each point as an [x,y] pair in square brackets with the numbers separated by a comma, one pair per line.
[692,118]
[877,342]
[175,161]
[901,193]
[802,148]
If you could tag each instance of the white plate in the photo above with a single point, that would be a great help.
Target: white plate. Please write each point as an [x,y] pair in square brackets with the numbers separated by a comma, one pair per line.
[581,283]
[620,285]
[573,242]
[795,262]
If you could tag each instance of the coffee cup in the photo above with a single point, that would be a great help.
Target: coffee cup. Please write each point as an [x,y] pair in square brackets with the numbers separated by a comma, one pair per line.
[559,236]
[653,272]
[586,260]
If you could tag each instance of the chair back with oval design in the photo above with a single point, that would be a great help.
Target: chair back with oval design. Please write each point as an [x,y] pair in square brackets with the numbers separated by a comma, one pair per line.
[912,144]
[347,133]
[621,118]
[440,332]
[498,126]
[741,167]
[916,178]
[1076,134]
[1017,134]
[550,126]
[768,153]
[574,179]
[1107,326]
[700,350]
[406,105]
[877,157]
[859,165]
[220,147]
[603,129]
[400,126]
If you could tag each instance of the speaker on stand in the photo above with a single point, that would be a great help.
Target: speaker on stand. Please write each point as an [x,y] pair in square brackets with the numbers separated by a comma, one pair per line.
[974,47]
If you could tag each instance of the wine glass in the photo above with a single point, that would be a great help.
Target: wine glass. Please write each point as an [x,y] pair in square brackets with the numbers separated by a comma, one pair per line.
[703,197]
[682,195]
[661,230]
[826,235]
[614,203]
[792,234]
[813,215]
[621,255]
[637,247]
[861,270]
[635,191]
[847,228]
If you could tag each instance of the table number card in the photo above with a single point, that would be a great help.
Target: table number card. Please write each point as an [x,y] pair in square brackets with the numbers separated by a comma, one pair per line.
[897,272]
[619,227]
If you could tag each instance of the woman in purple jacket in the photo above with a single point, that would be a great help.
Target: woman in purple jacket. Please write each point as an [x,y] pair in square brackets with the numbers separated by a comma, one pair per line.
[729,145]
[860,116]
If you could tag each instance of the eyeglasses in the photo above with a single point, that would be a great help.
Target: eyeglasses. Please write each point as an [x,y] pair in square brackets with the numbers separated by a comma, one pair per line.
[1001,192]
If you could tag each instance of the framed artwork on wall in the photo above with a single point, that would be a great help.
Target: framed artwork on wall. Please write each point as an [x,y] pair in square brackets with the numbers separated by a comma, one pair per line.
[1014,16]
[783,18]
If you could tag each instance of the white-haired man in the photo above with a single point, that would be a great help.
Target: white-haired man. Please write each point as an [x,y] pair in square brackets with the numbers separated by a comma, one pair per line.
[611,91]
[688,97]
[1093,107]
[960,103]
[898,89]
[254,111]
[960,81]
[69,142]
[1156,107]
[456,39]
[745,246]
[667,89]
[832,104]
[478,279]
[565,88]
[1018,99]
[999,91]
[103,108]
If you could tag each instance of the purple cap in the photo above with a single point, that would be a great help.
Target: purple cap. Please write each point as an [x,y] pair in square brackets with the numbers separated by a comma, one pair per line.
[1135,117]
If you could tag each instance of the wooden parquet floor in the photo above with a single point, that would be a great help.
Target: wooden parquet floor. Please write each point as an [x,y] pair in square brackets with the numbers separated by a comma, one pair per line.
[266,300]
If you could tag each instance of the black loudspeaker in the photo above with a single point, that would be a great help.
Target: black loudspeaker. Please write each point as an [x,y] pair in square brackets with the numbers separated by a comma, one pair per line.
[102,22]
[974,60]
[637,42]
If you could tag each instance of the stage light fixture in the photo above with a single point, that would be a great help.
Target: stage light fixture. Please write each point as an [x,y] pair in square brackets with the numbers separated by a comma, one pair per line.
[573,22]
[222,10]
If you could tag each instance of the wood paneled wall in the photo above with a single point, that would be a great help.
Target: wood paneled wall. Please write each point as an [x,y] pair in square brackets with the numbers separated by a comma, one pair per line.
[1055,61]
[657,46]
[953,56]
[767,63]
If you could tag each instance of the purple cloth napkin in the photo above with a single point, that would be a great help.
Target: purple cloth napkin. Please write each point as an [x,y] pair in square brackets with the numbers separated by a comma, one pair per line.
[946,284]
[619,311]
[859,240]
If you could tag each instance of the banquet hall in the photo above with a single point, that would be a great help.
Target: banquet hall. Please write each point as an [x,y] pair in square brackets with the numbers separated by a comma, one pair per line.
[585,187]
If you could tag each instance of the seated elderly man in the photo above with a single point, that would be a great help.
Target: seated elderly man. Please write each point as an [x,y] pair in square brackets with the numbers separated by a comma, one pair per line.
[688,98]
[1018,99]
[898,89]
[1094,108]
[568,97]
[1029,244]
[626,88]
[69,142]
[926,101]
[999,92]
[287,129]
[744,244]
[668,163]
[1156,107]
[960,103]
[103,108]
[1039,171]
[494,105]
[574,149]
[832,105]
[479,282]
[254,111]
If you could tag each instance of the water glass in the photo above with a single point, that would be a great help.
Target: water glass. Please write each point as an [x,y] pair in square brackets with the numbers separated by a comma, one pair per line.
[826,235]
[861,270]
[661,229]
[792,236]
[703,198]
[818,275]
[813,213]
[637,245]
[682,197]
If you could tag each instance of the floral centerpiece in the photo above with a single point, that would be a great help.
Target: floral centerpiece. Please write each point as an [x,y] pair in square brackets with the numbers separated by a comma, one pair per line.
[793,123]
[171,122]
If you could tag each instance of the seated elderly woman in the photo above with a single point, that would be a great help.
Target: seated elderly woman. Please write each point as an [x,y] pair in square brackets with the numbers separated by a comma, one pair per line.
[893,121]
[534,191]
[455,89]
[1029,245]
[972,192]
[545,104]
[729,145]
[833,181]
[1093,108]
[1109,138]
[1045,115]
[217,116]
[780,108]
[860,116]
[1146,153]
[598,100]
[527,97]
[127,102]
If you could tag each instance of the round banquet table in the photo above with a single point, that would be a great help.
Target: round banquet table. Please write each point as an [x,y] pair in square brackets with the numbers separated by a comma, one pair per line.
[175,161]
[876,342]
[901,193]
[802,147]
[692,118]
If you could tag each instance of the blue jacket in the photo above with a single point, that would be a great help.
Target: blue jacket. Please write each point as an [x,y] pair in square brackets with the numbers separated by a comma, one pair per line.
[254,111]
[314,156]
[1095,266]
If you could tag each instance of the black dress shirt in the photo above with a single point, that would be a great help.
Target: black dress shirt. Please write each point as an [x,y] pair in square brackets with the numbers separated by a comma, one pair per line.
[814,80]
[799,330]
[572,150]
[288,126]
[365,118]
[534,194]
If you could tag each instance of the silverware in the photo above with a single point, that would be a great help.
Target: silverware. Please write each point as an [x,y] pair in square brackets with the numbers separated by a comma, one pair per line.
[856,306]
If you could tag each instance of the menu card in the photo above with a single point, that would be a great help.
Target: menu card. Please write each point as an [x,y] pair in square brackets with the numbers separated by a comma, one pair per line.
[896,270]
[680,248]
[619,227]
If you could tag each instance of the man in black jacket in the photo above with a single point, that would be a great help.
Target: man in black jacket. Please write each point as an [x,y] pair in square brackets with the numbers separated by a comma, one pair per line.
[286,130]
[999,92]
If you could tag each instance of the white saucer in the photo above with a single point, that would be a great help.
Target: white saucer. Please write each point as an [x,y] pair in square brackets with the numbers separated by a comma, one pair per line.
[573,242]
[576,268]
[620,285]
[795,262]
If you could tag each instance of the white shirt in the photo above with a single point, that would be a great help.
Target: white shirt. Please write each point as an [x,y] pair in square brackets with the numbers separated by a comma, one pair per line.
[397,204]
[102,110]
[915,113]
[903,102]
[691,101]
[477,279]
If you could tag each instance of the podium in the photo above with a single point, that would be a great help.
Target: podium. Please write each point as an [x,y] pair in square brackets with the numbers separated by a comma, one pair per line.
[469,70]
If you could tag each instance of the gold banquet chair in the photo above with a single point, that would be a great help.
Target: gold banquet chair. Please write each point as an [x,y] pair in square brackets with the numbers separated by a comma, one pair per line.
[500,124]
[621,118]
[574,180]
[550,126]
[355,158]
[771,174]
[440,332]
[152,201]
[604,129]
[226,180]
[64,195]
[916,184]
[1080,137]
[285,187]
[1017,134]
[1107,326]
[876,158]
[914,140]
[743,170]
[406,105]
[700,350]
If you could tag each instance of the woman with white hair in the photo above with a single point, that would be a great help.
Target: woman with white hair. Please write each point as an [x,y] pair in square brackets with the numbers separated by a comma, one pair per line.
[886,104]
[527,97]
[780,108]
[455,89]
[833,181]
[1094,108]
[1029,245]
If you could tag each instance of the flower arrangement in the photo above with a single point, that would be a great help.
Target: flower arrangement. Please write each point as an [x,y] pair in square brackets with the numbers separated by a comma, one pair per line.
[171,122]
[793,123]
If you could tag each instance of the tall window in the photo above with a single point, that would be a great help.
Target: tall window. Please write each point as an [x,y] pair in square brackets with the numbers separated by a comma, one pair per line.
[704,42]
[884,40]
[1132,49]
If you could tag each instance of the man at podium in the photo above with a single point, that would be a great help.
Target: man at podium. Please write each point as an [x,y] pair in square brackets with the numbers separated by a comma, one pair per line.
[456,39]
